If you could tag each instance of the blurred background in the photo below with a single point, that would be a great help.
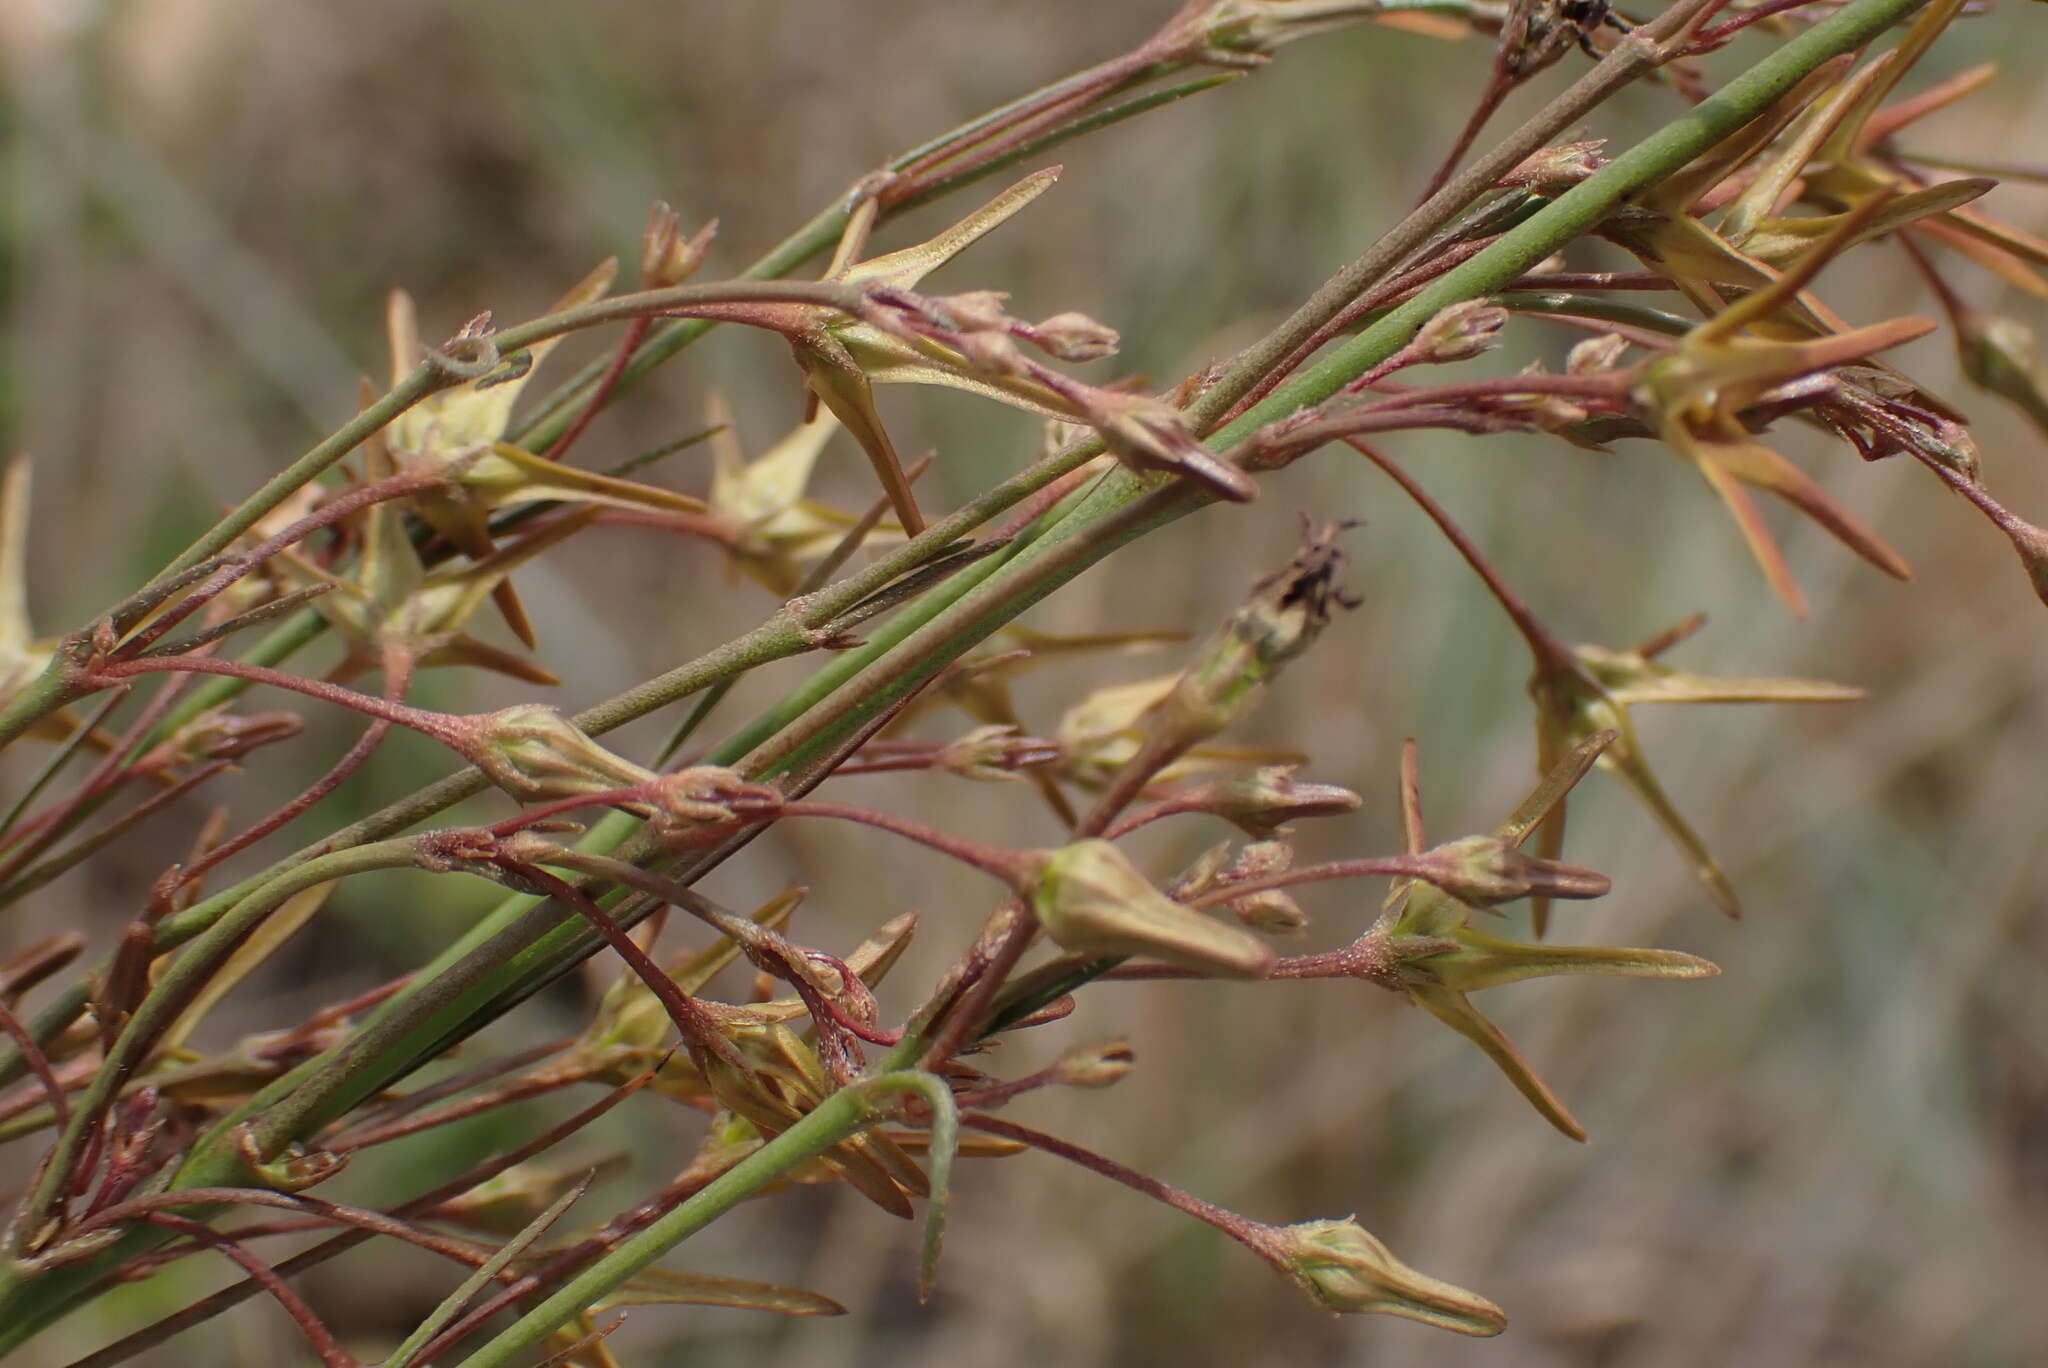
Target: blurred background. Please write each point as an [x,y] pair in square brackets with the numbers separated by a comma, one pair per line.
[1836,1152]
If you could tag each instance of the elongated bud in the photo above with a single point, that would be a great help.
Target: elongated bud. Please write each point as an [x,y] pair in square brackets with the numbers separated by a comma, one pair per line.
[534,753]
[1345,1268]
[1551,171]
[994,753]
[1095,1066]
[1245,32]
[1093,901]
[710,799]
[1595,354]
[218,734]
[1146,434]
[1460,332]
[1074,337]
[1269,911]
[1264,801]
[1485,870]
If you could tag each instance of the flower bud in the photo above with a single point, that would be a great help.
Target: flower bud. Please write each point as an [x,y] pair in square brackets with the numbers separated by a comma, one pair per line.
[1459,333]
[534,753]
[218,734]
[711,796]
[991,353]
[1271,912]
[1345,1268]
[1100,733]
[1595,354]
[1092,901]
[1550,171]
[667,257]
[1146,434]
[994,752]
[971,311]
[1264,801]
[1485,870]
[1094,1066]
[1074,337]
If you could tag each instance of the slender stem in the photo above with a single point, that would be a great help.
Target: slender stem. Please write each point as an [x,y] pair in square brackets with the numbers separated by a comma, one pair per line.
[1229,1222]
[331,1354]
[838,1116]
[1376,867]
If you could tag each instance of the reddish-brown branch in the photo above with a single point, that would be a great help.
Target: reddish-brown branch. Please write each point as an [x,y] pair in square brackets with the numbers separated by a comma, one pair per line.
[263,1275]
[38,1063]
[636,333]
[397,675]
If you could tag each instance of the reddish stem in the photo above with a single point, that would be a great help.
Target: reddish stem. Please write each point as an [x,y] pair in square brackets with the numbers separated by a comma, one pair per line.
[698,1029]
[1378,866]
[1552,654]
[437,725]
[397,675]
[263,1275]
[1009,867]
[235,567]
[38,1063]
[1237,1227]
[636,333]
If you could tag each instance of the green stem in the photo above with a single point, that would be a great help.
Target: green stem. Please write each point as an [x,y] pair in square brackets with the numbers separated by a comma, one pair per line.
[839,1116]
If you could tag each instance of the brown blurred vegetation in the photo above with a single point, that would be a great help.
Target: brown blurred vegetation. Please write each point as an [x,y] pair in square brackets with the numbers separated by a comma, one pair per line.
[1835,1153]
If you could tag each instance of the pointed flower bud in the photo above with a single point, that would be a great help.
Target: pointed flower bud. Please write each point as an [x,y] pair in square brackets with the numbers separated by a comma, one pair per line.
[1460,332]
[1346,1269]
[1595,354]
[1092,901]
[1550,171]
[1271,911]
[711,797]
[1074,337]
[1264,801]
[994,753]
[1147,434]
[1095,1066]
[534,753]
[1485,870]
